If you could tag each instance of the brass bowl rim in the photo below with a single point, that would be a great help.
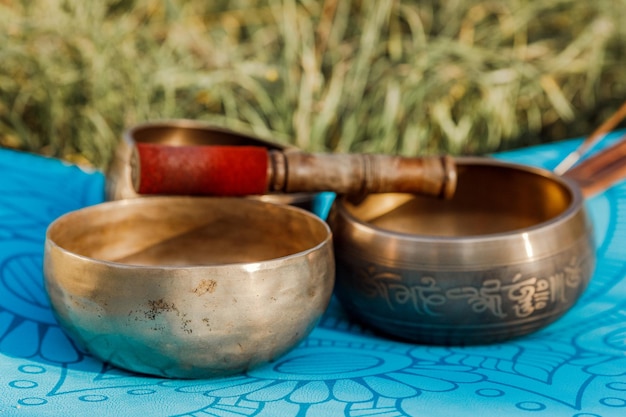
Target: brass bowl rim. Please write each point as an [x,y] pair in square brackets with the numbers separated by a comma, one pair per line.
[127,134]
[259,265]
[575,206]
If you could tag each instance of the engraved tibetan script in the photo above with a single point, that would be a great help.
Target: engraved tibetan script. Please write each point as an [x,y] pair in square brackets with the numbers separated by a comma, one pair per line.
[422,296]
[521,296]
[486,298]
[528,295]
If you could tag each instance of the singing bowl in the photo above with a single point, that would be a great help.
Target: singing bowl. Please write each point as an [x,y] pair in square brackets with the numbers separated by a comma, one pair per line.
[181,132]
[188,287]
[511,252]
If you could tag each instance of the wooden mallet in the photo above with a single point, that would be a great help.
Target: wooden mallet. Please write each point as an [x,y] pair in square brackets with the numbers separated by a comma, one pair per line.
[250,170]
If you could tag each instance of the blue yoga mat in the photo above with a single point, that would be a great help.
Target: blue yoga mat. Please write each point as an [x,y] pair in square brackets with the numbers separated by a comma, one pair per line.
[575,367]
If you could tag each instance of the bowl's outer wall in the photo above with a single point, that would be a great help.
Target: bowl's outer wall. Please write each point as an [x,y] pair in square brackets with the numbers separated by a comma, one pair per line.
[189,322]
[461,292]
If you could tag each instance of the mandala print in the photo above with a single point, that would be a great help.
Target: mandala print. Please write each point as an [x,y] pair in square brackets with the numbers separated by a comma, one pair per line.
[576,367]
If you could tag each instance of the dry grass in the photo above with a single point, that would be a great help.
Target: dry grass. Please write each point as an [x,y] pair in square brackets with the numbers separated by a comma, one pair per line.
[407,77]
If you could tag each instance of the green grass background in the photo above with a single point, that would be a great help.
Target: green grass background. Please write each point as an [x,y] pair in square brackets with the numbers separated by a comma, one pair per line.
[396,76]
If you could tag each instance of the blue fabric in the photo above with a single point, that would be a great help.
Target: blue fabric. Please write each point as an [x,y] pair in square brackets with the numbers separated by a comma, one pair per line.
[576,367]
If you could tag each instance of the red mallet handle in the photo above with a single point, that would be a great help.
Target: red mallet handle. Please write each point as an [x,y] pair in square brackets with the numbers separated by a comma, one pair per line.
[199,170]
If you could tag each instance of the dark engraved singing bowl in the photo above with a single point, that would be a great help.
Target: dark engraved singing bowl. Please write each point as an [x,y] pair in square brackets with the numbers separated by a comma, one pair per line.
[188,287]
[511,252]
[181,132]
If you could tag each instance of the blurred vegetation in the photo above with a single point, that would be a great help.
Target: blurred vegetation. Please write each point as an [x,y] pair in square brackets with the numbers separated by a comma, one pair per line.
[405,77]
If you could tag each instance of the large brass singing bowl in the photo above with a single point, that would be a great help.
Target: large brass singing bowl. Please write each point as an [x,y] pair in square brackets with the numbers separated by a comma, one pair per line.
[510,253]
[188,287]
[184,132]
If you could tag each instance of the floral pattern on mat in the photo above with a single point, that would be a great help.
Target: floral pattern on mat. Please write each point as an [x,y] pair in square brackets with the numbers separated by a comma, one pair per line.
[575,367]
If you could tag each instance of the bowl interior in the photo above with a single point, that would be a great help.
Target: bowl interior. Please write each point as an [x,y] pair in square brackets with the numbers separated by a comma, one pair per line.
[181,231]
[490,198]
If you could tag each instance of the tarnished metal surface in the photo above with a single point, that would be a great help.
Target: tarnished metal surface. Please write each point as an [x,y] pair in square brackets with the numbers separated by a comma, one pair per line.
[188,287]
[509,253]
